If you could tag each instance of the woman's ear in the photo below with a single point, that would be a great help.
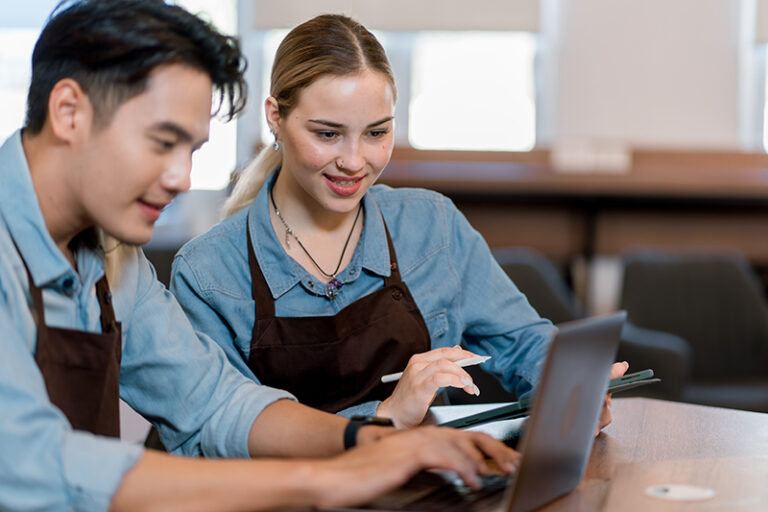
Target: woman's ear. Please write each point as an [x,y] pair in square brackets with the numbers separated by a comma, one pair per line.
[272,111]
[69,110]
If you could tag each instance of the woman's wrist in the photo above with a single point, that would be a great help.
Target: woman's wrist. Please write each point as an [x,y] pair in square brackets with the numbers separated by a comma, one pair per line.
[383,411]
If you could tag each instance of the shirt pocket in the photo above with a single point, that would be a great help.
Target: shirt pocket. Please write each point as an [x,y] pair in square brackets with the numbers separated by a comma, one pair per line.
[437,324]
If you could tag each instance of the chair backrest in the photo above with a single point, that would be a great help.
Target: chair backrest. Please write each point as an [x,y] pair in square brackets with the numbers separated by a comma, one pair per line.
[713,300]
[538,278]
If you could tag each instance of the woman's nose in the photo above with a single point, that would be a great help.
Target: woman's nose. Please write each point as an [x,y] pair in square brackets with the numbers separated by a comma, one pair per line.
[351,159]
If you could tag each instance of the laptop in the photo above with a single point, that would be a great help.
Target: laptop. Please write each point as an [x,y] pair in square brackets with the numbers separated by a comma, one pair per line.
[557,439]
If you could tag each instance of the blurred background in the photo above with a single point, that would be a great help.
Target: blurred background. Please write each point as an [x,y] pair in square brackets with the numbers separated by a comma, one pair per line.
[612,152]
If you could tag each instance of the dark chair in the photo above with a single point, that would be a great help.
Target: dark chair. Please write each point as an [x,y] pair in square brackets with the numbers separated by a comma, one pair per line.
[716,303]
[161,259]
[542,283]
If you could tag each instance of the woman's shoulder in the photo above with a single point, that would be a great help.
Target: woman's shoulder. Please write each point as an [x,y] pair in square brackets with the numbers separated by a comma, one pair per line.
[419,221]
[407,199]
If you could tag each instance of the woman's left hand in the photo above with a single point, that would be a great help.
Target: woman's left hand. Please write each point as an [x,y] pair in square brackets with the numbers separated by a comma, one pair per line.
[617,370]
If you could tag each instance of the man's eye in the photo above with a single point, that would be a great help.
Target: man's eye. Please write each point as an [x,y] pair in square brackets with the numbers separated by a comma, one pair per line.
[164,144]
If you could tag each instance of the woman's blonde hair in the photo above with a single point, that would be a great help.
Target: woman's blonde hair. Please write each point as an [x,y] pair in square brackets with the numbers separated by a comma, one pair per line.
[329,44]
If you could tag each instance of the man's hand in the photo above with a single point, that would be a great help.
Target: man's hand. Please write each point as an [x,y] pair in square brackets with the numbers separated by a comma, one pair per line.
[367,471]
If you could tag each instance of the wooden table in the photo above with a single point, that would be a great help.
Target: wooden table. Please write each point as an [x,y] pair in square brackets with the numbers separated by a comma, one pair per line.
[652,442]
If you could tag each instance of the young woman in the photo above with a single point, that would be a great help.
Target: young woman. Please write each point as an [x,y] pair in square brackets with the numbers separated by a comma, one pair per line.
[320,282]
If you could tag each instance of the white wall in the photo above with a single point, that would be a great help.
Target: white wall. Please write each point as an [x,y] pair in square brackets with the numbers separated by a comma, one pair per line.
[657,73]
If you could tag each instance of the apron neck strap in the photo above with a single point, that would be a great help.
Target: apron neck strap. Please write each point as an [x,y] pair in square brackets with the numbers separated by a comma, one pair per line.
[265,305]
[394,276]
[103,295]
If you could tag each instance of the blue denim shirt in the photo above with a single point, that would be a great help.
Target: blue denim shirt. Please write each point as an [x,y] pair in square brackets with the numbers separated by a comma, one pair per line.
[462,293]
[183,384]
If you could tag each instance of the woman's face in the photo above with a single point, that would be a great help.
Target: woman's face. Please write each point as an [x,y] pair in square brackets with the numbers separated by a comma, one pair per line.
[337,139]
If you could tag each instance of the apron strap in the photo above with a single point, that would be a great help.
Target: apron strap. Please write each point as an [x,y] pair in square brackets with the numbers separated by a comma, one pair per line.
[265,306]
[104,296]
[394,277]
[37,294]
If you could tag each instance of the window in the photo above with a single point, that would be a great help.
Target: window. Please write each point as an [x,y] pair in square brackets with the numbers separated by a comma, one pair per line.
[213,163]
[16,46]
[473,91]
[448,77]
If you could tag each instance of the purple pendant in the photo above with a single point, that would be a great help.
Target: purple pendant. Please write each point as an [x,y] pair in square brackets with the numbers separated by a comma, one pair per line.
[332,288]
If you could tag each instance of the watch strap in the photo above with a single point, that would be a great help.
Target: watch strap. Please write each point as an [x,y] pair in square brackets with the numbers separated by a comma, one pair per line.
[356,422]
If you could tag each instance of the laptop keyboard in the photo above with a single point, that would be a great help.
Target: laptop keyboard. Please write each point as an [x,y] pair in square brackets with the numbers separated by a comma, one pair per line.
[449,497]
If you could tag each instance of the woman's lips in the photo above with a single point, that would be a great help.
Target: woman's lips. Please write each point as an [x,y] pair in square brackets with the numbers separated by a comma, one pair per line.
[342,185]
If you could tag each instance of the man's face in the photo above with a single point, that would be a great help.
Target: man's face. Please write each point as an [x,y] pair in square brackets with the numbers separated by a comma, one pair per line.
[131,169]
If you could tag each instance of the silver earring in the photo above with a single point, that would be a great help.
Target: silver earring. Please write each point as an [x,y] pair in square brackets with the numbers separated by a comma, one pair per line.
[276,146]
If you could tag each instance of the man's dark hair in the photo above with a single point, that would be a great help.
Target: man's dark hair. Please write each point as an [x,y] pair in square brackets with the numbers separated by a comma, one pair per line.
[111,46]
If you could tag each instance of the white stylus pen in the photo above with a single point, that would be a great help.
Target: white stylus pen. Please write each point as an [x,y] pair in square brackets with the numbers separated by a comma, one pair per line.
[392,377]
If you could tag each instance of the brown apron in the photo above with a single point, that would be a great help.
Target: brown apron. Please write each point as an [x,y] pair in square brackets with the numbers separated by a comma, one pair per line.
[81,369]
[334,362]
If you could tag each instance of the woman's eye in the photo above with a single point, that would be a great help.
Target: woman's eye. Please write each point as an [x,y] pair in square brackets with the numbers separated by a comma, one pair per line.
[378,133]
[327,135]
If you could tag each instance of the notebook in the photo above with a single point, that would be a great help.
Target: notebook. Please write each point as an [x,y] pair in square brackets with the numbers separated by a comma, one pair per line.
[558,437]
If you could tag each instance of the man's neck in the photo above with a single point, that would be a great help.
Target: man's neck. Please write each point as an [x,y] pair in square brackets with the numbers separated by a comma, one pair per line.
[47,159]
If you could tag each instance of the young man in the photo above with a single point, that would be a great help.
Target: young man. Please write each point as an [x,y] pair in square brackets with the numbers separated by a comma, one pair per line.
[120,99]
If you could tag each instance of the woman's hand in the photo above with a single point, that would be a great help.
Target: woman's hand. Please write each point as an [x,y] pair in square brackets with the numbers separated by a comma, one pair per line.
[617,370]
[424,375]
[367,471]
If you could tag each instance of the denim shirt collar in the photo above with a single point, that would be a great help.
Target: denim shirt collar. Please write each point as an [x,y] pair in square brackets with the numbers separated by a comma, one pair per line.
[21,213]
[283,273]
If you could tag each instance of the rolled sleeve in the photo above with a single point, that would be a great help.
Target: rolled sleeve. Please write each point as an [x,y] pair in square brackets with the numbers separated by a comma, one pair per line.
[181,380]
[364,409]
[94,467]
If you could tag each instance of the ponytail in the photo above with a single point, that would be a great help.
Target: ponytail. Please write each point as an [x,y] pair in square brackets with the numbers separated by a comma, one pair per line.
[251,179]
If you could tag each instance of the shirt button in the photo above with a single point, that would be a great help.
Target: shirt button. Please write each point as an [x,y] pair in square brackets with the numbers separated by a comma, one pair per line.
[68,283]
[310,284]
[353,271]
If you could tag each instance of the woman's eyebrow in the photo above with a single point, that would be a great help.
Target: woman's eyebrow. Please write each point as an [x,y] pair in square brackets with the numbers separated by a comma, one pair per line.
[381,121]
[332,124]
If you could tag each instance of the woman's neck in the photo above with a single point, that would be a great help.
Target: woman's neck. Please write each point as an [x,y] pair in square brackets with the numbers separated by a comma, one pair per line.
[322,233]
[304,213]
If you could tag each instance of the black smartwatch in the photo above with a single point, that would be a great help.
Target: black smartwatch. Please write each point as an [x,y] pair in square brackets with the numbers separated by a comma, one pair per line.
[355,422]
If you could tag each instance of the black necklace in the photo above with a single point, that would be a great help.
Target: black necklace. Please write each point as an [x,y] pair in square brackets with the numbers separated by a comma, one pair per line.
[334,285]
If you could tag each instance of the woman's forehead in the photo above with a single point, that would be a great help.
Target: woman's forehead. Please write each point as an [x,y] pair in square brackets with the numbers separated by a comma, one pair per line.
[360,95]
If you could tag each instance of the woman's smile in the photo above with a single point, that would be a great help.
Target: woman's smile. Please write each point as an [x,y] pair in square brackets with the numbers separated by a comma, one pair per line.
[343,185]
